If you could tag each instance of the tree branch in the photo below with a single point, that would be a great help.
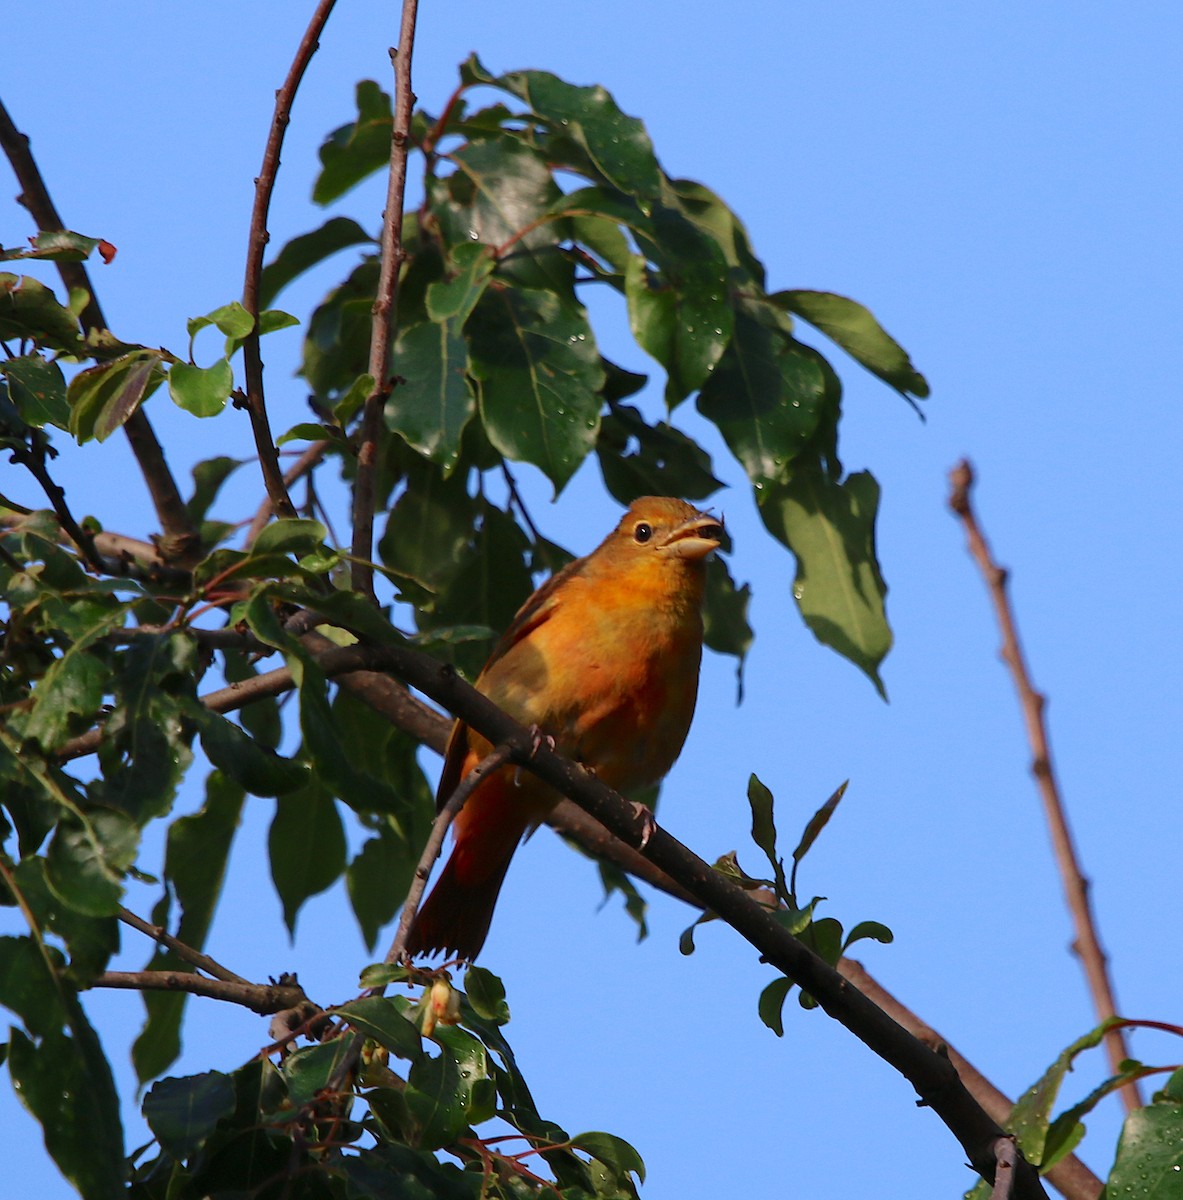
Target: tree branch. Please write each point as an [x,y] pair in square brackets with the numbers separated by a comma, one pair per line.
[1086,943]
[252,356]
[181,538]
[262,998]
[187,953]
[301,466]
[385,306]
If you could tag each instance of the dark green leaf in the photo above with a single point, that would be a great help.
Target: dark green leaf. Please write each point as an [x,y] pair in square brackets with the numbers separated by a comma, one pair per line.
[830,527]
[292,535]
[66,1084]
[38,389]
[614,880]
[873,931]
[486,994]
[725,618]
[309,1070]
[305,251]
[613,1152]
[202,391]
[354,151]
[772,1003]
[764,831]
[433,401]
[380,1018]
[208,477]
[103,397]
[617,146]
[428,529]
[377,881]
[470,268]
[1149,1161]
[184,1112]
[29,987]
[88,859]
[257,768]
[29,311]
[853,328]
[540,374]
[767,396]
[306,846]
[446,1093]
[68,697]
[638,459]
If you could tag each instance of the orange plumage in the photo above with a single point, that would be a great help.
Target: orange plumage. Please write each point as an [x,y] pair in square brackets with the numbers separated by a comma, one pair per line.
[604,659]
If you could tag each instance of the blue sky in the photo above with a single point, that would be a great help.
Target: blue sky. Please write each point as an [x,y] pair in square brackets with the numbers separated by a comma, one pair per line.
[1000,185]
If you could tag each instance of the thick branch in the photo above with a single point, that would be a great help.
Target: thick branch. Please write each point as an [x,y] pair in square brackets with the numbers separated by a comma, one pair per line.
[385,305]
[1087,944]
[181,536]
[263,998]
[252,356]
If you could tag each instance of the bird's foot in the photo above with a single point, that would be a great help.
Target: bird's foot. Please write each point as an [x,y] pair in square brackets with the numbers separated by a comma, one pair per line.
[646,819]
[538,739]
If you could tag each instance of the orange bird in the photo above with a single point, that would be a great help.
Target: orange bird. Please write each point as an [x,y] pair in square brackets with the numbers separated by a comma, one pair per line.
[603,658]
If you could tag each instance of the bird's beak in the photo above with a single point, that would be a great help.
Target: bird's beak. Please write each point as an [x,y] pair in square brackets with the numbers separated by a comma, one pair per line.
[695,538]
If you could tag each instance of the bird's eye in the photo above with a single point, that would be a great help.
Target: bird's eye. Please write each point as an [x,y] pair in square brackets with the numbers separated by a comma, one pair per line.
[643,532]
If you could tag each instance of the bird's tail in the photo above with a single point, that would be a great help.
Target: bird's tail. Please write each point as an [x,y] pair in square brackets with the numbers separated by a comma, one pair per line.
[456,915]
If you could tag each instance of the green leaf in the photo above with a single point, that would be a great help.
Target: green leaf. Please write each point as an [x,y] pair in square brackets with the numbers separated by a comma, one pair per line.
[381,1018]
[272,320]
[433,401]
[231,319]
[830,527]
[617,147]
[56,245]
[68,697]
[103,397]
[486,994]
[772,1003]
[292,535]
[818,822]
[1149,1161]
[202,391]
[353,151]
[613,1152]
[428,529]
[305,251]
[208,477]
[470,269]
[87,861]
[38,389]
[767,396]
[873,931]
[309,1070]
[638,459]
[196,856]
[446,1093]
[257,768]
[500,194]
[66,1084]
[306,846]
[377,880]
[853,328]
[183,1113]
[540,373]
[29,311]
[725,618]
[28,986]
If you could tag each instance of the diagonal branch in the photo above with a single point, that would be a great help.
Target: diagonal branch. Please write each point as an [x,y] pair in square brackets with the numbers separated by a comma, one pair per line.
[1087,944]
[186,953]
[181,538]
[385,306]
[252,356]
[262,998]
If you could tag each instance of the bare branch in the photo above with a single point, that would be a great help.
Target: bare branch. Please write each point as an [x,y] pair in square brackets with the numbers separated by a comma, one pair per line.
[184,952]
[1070,1177]
[262,998]
[385,305]
[1004,1175]
[1087,943]
[252,356]
[181,538]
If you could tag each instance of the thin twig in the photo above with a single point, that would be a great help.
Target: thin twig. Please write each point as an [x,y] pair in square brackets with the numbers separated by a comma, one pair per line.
[262,998]
[497,757]
[1086,942]
[385,306]
[252,356]
[181,538]
[186,953]
[1004,1174]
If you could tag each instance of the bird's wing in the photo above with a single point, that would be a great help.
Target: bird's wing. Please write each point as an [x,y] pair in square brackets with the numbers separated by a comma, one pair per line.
[537,610]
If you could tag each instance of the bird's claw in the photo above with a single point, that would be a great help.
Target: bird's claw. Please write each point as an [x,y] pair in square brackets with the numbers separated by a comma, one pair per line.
[647,821]
[539,739]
